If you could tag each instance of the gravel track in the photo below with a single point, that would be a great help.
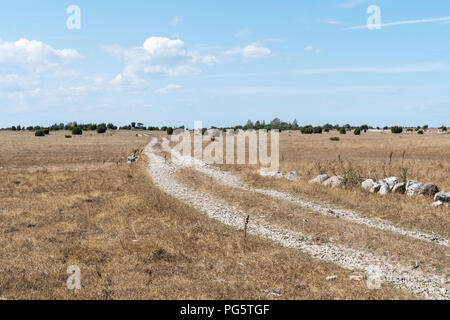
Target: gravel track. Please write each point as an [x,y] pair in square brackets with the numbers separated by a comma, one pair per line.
[426,285]
[230,180]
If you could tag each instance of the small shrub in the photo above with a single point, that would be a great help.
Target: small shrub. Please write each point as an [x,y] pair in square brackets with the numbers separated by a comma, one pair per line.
[420,131]
[39,133]
[335,139]
[68,136]
[396,129]
[46,131]
[101,129]
[317,130]
[342,131]
[170,131]
[357,131]
[307,130]
[77,131]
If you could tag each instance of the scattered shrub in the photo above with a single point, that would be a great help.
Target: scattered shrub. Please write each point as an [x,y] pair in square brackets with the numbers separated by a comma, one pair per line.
[77,131]
[39,133]
[170,131]
[101,129]
[420,131]
[342,131]
[396,129]
[68,136]
[317,130]
[357,131]
[335,139]
[307,130]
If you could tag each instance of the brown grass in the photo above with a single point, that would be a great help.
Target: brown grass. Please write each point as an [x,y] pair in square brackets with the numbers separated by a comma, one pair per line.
[130,240]
[322,228]
[426,159]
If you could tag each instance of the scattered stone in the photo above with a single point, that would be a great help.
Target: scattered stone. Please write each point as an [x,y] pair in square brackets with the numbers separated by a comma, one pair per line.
[410,183]
[320,179]
[414,188]
[356,278]
[429,189]
[442,196]
[274,174]
[368,184]
[331,278]
[437,204]
[376,187]
[333,182]
[384,189]
[132,158]
[392,181]
[292,176]
[399,188]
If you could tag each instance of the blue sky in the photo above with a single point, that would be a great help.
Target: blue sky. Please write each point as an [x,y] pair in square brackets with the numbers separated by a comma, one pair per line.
[175,62]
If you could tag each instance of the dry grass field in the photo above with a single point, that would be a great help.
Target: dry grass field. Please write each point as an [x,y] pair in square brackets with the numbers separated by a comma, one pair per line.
[76,202]
[425,158]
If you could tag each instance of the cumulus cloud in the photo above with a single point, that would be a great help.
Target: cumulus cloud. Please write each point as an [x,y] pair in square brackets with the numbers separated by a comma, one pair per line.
[250,51]
[168,88]
[37,55]
[158,56]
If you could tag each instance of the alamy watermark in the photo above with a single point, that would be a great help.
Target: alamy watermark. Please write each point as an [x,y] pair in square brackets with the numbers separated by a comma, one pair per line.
[74,20]
[374,21]
[74,280]
[230,147]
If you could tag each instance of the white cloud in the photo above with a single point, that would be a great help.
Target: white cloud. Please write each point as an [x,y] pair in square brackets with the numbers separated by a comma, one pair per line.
[399,23]
[159,47]
[168,88]
[33,54]
[330,21]
[250,51]
[158,56]
[398,69]
[174,21]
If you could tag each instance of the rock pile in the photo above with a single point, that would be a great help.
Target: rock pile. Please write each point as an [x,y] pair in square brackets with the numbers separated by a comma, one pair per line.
[391,185]
[327,181]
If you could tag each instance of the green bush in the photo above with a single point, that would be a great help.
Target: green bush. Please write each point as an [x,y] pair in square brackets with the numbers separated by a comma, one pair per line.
[68,136]
[342,131]
[101,129]
[317,130]
[357,131]
[46,131]
[77,131]
[170,131]
[420,131]
[39,133]
[307,130]
[335,139]
[396,129]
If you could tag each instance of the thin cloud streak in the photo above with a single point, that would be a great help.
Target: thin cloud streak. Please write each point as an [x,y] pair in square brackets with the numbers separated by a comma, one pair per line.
[391,24]
[402,69]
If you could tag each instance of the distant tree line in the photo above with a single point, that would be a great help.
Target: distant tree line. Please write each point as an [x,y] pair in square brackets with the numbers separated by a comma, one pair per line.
[79,128]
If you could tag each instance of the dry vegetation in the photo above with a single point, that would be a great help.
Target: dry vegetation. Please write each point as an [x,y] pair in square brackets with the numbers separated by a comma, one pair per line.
[75,201]
[324,229]
[424,158]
